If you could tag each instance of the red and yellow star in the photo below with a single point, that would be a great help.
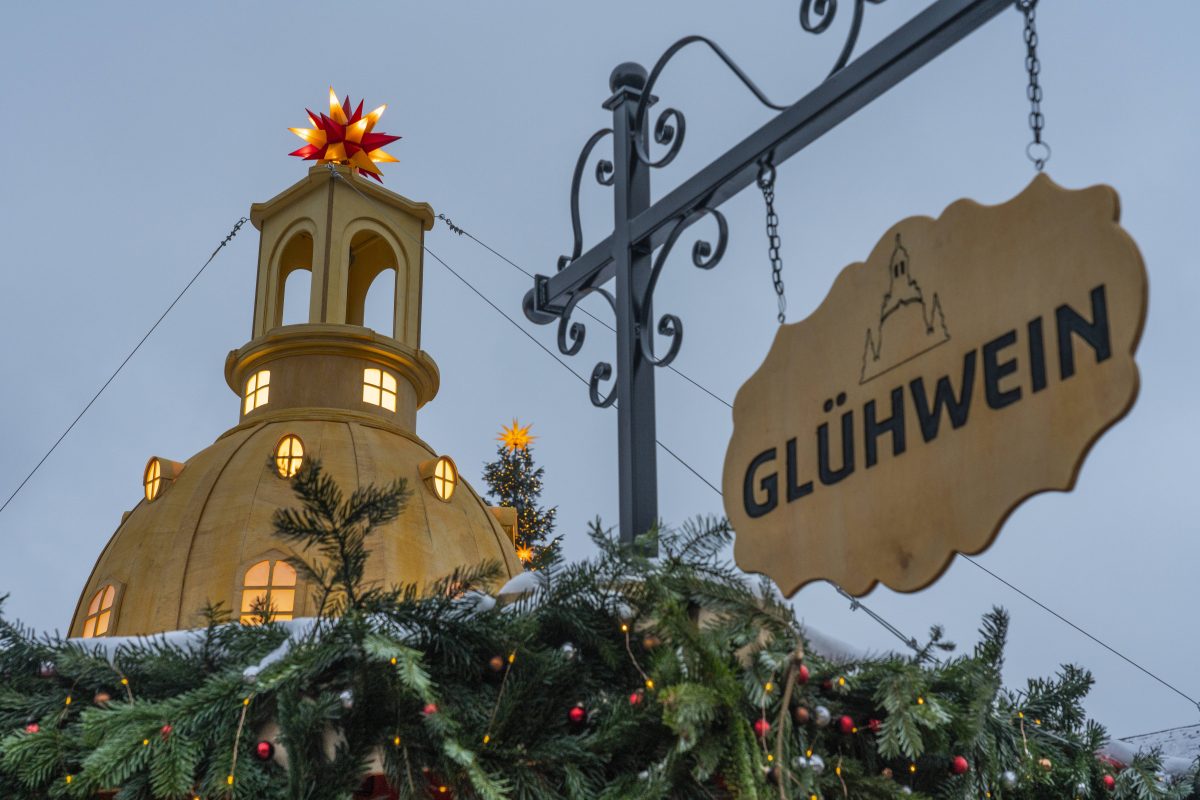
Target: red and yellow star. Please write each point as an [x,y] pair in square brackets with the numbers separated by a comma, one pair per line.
[343,137]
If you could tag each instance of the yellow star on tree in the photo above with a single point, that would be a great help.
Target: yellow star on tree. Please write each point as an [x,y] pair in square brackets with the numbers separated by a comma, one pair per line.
[515,437]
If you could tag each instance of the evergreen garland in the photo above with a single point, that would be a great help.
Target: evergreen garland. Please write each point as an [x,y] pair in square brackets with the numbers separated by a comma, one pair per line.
[616,677]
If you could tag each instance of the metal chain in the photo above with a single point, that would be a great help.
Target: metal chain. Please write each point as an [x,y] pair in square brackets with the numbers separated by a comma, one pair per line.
[766,182]
[1037,151]
[450,224]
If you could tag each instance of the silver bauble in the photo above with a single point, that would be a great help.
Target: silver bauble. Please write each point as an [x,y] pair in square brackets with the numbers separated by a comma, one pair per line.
[816,763]
[905,790]
[1081,788]
[568,651]
[821,716]
[799,762]
[1009,779]
[346,697]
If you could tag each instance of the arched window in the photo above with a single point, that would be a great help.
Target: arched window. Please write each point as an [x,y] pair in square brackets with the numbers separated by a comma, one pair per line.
[100,611]
[268,591]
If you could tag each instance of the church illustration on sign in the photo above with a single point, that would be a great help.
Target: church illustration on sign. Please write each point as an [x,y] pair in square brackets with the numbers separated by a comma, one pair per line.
[912,325]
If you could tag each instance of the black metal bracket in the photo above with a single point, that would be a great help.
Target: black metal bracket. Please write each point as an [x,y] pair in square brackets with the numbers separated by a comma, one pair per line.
[641,228]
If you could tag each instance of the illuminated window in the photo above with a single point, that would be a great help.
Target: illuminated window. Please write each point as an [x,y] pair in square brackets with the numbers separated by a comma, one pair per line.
[152,479]
[379,388]
[158,475]
[289,456]
[258,389]
[269,588]
[99,616]
[441,476]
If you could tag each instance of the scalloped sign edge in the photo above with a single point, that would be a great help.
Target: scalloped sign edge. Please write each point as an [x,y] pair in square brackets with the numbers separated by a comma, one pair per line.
[787,547]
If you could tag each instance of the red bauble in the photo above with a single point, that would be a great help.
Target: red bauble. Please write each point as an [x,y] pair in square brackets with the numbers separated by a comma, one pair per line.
[1110,782]
[430,709]
[32,728]
[827,685]
[635,699]
[577,715]
[802,674]
[846,724]
[264,751]
[874,725]
[762,727]
[801,715]
[959,765]
[166,730]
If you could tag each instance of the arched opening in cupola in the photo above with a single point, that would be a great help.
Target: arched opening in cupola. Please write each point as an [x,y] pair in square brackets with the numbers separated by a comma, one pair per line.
[294,281]
[371,283]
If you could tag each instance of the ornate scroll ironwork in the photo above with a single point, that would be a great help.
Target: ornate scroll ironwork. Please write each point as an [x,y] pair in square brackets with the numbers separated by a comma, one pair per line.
[670,125]
[604,177]
[571,335]
[668,130]
[826,10]
[704,256]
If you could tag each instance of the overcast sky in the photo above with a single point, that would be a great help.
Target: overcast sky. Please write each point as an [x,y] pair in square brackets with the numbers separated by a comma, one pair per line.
[136,137]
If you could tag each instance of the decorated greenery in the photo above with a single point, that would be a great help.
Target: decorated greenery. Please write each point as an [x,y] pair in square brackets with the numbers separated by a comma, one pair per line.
[616,677]
[514,481]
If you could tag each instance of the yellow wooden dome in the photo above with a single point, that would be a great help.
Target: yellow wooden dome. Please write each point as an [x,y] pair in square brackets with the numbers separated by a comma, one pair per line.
[329,389]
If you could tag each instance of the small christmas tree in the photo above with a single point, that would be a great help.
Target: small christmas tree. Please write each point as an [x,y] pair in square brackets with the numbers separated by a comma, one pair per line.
[514,481]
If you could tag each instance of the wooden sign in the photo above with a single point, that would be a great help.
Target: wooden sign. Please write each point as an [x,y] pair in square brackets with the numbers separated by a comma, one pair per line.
[969,363]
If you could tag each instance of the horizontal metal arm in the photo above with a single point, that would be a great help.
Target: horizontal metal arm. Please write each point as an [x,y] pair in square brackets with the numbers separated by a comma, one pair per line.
[910,47]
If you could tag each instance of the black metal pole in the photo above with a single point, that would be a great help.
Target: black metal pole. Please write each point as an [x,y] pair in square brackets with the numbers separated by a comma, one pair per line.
[638,472]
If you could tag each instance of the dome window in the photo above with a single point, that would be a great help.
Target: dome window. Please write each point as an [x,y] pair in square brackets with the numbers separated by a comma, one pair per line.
[258,390]
[158,475]
[379,388]
[441,476]
[152,479]
[268,593]
[100,611]
[289,456]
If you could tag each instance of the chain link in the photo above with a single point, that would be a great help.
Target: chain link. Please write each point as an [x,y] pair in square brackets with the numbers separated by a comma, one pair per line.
[766,182]
[1037,150]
